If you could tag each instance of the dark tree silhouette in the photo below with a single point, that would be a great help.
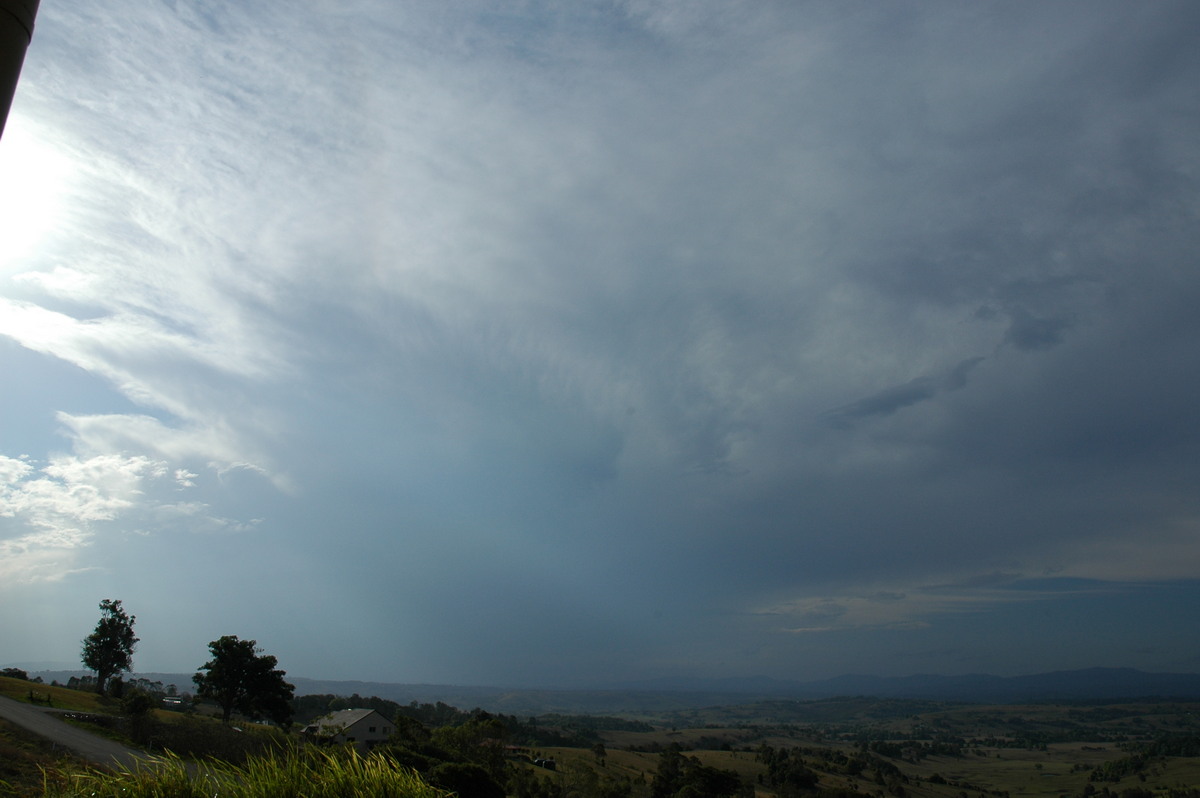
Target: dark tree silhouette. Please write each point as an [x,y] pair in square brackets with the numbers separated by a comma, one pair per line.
[240,678]
[109,650]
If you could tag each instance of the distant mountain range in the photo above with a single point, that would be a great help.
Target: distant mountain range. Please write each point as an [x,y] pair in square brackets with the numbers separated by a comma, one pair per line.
[669,695]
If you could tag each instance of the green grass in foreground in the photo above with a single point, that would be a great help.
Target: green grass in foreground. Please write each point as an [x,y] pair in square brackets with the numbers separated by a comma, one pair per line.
[308,773]
[25,758]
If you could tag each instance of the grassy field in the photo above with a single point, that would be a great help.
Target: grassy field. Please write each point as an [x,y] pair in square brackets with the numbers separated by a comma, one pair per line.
[1059,771]
[60,697]
[1028,750]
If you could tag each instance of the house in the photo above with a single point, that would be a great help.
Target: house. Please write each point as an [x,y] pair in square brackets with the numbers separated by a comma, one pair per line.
[364,728]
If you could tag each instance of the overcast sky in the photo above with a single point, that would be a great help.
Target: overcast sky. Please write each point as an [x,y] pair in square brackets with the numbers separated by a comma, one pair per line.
[569,343]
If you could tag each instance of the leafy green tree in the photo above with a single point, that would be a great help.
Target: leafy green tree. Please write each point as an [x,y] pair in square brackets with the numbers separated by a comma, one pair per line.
[679,776]
[466,779]
[480,740]
[137,703]
[239,677]
[669,779]
[109,649]
[137,706]
[787,771]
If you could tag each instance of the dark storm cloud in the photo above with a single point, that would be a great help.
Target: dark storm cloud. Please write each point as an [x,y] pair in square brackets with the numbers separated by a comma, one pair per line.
[698,333]
[890,400]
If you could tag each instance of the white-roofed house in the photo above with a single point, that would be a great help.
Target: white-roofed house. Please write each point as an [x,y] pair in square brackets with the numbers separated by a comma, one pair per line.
[364,728]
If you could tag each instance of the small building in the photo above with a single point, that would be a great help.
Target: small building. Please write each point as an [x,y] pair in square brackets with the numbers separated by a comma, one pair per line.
[363,728]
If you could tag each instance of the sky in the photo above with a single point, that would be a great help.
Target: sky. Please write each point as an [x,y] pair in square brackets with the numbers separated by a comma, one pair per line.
[573,344]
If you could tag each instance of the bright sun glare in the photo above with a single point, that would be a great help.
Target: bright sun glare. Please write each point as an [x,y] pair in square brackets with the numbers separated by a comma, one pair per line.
[33,181]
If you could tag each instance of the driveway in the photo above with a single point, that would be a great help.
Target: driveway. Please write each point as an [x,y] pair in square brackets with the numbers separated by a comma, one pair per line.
[42,722]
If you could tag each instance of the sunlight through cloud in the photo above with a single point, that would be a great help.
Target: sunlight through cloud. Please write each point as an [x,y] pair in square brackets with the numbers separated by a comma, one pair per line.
[34,179]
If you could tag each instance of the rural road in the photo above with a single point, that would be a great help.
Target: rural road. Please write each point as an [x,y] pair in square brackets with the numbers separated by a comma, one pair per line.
[43,722]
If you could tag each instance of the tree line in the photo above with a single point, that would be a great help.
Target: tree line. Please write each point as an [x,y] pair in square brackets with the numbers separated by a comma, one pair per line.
[239,677]
[552,730]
